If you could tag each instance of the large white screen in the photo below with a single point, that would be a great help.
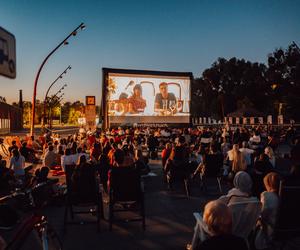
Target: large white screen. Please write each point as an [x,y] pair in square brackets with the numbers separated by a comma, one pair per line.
[156,98]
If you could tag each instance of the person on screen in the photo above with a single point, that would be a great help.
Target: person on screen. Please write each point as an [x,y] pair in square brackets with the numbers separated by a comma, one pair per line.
[136,103]
[164,99]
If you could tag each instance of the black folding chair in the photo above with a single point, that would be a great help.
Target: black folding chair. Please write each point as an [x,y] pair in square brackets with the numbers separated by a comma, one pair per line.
[288,221]
[179,172]
[212,168]
[83,200]
[126,193]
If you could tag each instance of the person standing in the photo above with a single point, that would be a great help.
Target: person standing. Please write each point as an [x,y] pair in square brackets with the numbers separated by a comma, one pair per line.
[17,163]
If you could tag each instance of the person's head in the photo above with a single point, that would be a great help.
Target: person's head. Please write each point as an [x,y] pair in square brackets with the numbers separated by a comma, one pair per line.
[263,157]
[138,154]
[119,156]
[14,143]
[137,90]
[218,218]
[243,182]
[168,146]
[24,144]
[244,144]
[295,170]
[81,160]
[44,171]
[79,150]
[67,151]
[271,182]
[269,152]
[235,147]
[213,148]
[60,150]
[50,148]
[163,88]
[15,153]
[181,139]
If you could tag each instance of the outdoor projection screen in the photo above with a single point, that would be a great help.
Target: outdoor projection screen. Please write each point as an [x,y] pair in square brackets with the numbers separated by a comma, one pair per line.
[146,97]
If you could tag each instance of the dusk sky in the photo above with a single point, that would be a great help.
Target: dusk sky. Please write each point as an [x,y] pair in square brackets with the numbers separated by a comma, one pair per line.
[168,35]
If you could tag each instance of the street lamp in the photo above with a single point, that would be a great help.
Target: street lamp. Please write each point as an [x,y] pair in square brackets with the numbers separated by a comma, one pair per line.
[52,103]
[45,100]
[64,42]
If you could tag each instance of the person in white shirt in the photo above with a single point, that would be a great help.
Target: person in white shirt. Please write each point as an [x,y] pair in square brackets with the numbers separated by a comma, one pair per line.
[17,163]
[67,159]
[50,158]
[80,153]
[247,153]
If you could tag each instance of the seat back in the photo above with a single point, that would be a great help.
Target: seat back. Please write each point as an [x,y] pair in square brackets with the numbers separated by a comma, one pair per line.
[288,220]
[125,184]
[213,165]
[84,189]
[245,212]
[69,170]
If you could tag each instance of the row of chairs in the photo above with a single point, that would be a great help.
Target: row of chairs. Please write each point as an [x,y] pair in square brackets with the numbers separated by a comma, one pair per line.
[125,193]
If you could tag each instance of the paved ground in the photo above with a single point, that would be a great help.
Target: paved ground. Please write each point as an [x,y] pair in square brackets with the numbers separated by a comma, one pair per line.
[169,220]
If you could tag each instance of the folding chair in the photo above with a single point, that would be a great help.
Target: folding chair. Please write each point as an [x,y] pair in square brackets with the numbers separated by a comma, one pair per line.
[125,193]
[245,213]
[212,168]
[288,221]
[81,200]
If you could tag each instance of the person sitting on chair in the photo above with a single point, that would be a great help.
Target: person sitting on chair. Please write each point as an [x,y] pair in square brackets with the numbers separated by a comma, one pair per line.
[270,205]
[217,220]
[242,187]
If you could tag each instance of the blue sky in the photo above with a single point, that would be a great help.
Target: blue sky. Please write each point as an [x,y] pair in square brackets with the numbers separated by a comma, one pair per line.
[170,35]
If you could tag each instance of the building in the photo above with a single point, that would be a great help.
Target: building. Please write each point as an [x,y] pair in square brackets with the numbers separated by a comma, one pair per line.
[10,118]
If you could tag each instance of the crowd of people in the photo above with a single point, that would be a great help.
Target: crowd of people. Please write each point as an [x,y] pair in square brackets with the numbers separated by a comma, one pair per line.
[244,157]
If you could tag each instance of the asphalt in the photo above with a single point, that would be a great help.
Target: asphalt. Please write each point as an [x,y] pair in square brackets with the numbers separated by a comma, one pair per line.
[169,219]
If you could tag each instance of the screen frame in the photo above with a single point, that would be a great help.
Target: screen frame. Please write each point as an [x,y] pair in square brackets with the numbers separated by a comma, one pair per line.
[105,78]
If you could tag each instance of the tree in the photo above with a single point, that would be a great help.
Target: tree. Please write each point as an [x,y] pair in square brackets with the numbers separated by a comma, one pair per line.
[234,80]
[283,77]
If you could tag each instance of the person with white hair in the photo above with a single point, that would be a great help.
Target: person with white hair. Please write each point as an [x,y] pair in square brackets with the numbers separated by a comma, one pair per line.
[217,226]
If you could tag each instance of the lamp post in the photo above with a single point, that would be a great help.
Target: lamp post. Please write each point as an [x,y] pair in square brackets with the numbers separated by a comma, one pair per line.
[64,42]
[55,102]
[45,100]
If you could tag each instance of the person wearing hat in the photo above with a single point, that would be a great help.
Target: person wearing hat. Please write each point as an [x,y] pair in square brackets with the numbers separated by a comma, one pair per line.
[164,98]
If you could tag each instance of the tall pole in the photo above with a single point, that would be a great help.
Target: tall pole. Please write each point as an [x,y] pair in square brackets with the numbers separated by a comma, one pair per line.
[47,92]
[73,33]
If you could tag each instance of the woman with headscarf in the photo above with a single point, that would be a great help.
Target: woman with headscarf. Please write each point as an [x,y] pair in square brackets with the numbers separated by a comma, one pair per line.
[242,187]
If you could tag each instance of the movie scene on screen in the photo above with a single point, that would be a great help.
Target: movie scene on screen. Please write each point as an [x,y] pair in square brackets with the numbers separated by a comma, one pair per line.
[142,98]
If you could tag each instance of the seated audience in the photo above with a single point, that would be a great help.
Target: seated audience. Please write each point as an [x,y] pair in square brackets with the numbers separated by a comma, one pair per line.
[50,159]
[270,205]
